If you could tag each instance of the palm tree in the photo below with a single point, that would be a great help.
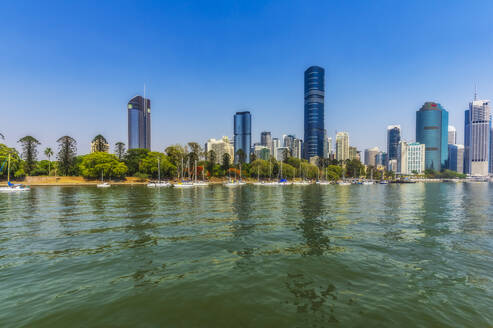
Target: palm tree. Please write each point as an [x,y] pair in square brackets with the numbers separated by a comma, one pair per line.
[100,143]
[2,136]
[49,153]
[120,150]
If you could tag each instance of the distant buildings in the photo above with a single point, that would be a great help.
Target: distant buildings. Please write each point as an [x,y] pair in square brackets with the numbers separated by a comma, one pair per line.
[242,135]
[314,112]
[456,158]
[477,132]
[452,135]
[371,156]
[381,159]
[393,139]
[266,139]
[139,123]
[276,143]
[329,147]
[297,149]
[411,158]
[281,153]
[432,130]
[353,153]
[106,147]
[342,146]
[220,147]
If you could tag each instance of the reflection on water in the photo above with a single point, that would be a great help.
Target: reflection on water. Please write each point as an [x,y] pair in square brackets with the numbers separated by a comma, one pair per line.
[253,256]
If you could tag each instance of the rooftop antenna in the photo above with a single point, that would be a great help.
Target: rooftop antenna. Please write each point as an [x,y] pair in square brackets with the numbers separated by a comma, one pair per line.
[475,92]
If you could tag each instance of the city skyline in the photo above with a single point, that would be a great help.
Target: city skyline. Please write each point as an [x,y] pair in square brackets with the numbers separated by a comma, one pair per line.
[360,78]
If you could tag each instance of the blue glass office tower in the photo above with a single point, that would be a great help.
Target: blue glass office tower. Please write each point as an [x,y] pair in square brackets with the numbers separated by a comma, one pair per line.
[393,139]
[243,134]
[314,112]
[432,130]
[139,123]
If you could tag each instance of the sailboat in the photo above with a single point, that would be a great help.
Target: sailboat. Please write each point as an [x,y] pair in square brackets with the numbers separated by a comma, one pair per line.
[199,183]
[183,183]
[258,183]
[235,183]
[324,182]
[343,182]
[282,181]
[369,182]
[158,183]
[13,187]
[103,184]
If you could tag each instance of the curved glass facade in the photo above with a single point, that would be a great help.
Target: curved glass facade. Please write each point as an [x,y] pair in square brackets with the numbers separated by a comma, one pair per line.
[243,134]
[432,130]
[139,123]
[314,112]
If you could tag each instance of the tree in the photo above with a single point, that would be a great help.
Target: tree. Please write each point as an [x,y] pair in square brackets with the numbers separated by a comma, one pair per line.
[175,154]
[29,152]
[149,165]
[133,159]
[195,151]
[2,136]
[226,161]
[285,155]
[120,150]
[16,169]
[49,153]
[95,164]
[211,157]
[100,143]
[67,151]
[241,156]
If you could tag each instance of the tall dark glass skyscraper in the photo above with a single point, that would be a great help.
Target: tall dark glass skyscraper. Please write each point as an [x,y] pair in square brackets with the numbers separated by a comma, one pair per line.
[243,134]
[393,139]
[314,112]
[432,130]
[139,123]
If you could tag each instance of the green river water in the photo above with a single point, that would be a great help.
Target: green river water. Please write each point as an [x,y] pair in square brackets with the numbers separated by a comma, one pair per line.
[417,255]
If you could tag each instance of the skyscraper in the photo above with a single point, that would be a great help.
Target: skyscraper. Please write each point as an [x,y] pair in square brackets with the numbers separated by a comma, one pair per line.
[432,130]
[243,135]
[477,131]
[139,123]
[393,139]
[342,146]
[314,112]
[266,139]
[329,147]
[370,156]
[456,158]
[411,158]
[452,135]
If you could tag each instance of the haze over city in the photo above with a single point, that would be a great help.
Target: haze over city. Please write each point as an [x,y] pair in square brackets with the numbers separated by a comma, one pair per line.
[71,69]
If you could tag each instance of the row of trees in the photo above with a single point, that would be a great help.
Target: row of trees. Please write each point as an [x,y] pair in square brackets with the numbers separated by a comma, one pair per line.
[176,161]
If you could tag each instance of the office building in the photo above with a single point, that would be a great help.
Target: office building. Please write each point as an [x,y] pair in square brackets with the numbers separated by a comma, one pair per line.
[261,152]
[342,146]
[297,149]
[281,153]
[452,135]
[353,153]
[411,158]
[393,139]
[371,156]
[456,158]
[314,112]
[139,123]
[477,135]
[242,135]
[220,147]
[329,147]
[381,159]
[432,130]
[276,143]
[266,139]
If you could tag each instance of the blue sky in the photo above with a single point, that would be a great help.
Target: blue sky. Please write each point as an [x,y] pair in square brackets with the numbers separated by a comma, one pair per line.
[70,68]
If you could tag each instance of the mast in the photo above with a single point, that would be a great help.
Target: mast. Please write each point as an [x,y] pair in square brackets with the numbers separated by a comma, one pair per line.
[158,170]
[195,171]
[8,170]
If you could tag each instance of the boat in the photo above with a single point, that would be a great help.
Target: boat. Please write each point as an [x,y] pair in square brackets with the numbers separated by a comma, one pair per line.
[10,186]
[384,182]
[183,184]
[367,183]
[199,183]
[301,183]
[343,183]
[159,183]
[103,184]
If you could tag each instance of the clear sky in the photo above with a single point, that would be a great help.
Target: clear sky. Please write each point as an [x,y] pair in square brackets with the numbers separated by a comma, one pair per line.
[70,68]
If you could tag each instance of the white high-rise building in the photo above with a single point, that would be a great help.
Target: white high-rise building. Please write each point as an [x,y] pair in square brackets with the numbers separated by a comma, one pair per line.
[342,146]
[452,135]
[410,158]
[477,143]
[220,147]
[329,147]
[276,143]
[370,156]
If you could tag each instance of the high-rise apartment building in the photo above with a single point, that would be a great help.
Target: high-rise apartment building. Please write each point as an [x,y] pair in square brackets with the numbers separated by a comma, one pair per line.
[276,143]
[297,149]
[477,138]
[411,158]
[342,146]
[456,158]
[353,153]
[242,135]
[393,139]
[314,112]
[452,135]
[371,156]
[329,147]
[220,147]
[139,123]
[432,130]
